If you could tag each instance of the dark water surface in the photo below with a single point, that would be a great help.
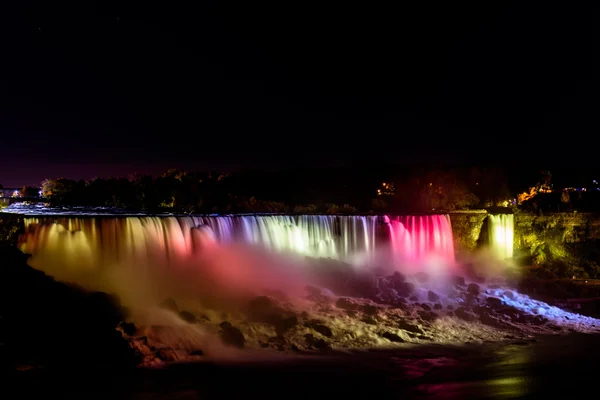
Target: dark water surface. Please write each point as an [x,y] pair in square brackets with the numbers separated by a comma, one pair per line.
[565,366]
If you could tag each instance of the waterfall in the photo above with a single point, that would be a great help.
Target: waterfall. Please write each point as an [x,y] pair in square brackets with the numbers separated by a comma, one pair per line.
[416,240]
[501,234]
[94,242]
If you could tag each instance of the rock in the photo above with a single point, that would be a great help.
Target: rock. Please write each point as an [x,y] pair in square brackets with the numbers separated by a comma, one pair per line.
[414,298]
[167,354]
[231,335]
[465,314]
[187,316]
[397,278]
[317,294]
[404,289]
[196,353]
[471,299]
[278,295]
[389,296]
[495,302]
[450,307]
[369,320]
[490,320]
[458,280]
[267,310]
[370,309]
[346,304]
[437,306]
[392,337]
[263,309]
[432,296]
[320,328]
[320,344]
[284,324]
[128,328]
[422,277]
[312,290]
[169,304]
[428,316]
[425,307]
[450,314]
[406,326]
[473,288]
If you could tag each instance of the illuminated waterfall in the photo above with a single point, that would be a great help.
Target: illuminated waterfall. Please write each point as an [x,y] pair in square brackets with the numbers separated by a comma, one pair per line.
[501,234]
[90,242]
[93,242]
[423,239]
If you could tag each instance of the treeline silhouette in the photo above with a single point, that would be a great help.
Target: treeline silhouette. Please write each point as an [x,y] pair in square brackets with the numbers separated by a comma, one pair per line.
[303,190]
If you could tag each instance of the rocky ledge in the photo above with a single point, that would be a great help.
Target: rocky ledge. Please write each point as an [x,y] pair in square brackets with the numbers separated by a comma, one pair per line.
[394,310]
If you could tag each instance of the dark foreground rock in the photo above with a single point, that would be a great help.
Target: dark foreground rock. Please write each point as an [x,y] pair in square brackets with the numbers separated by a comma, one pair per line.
[50,324]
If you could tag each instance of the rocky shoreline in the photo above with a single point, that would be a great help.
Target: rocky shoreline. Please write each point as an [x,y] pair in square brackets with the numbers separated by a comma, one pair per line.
[48,324]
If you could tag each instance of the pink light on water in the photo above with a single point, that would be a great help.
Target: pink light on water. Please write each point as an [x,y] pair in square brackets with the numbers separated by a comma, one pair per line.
[421,241]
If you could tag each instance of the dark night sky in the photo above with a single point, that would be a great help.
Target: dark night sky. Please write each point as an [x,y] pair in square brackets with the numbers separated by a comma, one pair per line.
[104,88]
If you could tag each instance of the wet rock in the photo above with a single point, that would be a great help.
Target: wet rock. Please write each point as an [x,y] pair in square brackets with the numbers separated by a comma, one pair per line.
[422,277]
[392,337]
[488,319]
[397,278]
[428,316]
[167,354]
[317,294]
[425,307]
[414,298]
[231,335]
[450,307]
[389,296]
[196,353]
[363,286]
[432,296]
[404,289]
[495,302]
[465,314]
[370,309]
[187,316]
[278,295]
[284,324]
[450,314]
[406,326]
[352,313]
[263,309]
[437,306]
[369,320]
[471,299]
[169,304]
[458,280]
[312,290]
[346,304]
[128,328]
[312,341]
[320,328]
[267,310]
[473,288]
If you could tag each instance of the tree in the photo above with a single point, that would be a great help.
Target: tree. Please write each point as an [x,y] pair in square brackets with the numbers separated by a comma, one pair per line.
[29,191]
[434,191]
